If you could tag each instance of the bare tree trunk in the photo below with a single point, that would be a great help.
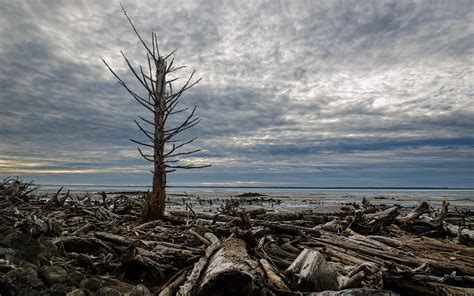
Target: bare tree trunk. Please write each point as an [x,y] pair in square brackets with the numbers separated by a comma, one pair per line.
[162,102]
[156,200]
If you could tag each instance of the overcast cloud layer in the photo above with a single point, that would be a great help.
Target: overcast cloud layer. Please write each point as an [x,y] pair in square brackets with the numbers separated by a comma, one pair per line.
[294,93]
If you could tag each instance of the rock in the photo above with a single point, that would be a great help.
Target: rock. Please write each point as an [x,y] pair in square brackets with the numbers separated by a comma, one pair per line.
[139,290]
[91,284]
[26,248]
[122,287]
[54,274]
[20,281]
[7,253]
[58,290]
[107,291]
[6,266]
[76,292]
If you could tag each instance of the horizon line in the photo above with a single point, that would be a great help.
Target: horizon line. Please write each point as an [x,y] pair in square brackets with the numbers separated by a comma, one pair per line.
[272,187]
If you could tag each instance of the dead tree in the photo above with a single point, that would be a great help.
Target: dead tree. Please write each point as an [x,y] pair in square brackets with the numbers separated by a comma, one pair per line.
[162,101]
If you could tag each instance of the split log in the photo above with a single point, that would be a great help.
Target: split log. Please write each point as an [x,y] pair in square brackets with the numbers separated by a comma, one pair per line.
[230,271]
[311,272]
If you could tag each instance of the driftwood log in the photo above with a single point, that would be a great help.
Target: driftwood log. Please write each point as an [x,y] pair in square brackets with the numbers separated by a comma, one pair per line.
[311,272]
[230,271]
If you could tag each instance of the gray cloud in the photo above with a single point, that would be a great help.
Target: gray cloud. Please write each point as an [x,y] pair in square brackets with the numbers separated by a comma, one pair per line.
[293,92]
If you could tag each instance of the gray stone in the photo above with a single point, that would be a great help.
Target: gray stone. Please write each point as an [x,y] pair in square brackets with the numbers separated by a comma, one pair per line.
[106,291]
[91,284]
[77,292]
[122,287]
[54,274]
[26,248]
[139,290]
[62,288]
[20,281]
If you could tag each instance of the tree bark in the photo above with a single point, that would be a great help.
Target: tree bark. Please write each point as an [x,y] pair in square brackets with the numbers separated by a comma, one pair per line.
[311,272]
[230,271]
[155,207]
[414,214]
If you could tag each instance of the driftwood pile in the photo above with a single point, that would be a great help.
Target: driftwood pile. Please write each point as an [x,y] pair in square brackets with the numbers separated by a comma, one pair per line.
[68,244]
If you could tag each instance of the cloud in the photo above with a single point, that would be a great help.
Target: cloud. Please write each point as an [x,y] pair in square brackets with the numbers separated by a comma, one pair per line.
[293,92]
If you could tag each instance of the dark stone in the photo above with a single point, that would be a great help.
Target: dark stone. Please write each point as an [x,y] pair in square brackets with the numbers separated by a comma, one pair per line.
[58,290]
[106,291]
[54,274]
[122,287]
[76,292]
[139,290]
[91,284]
[20,281]
[26,248]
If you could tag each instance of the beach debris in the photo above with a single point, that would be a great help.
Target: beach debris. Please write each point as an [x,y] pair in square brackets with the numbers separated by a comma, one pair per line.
[83,244]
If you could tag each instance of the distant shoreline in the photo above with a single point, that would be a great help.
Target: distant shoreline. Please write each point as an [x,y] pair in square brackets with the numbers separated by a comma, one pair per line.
[265,187]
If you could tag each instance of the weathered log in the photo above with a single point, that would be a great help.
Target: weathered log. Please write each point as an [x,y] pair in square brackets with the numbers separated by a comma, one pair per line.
[204,216]
[172,286]
[81,245]
[465,235]
[442,214]
[147,263]
[311,272]
[289,229]
[272,277]
[276,250]
[83,229]
[113,238]
[333,226]
[205,241]
[387,240]
[414,214]
[437,266]
[366,274]
[230,271]
[191,281]
[384,216]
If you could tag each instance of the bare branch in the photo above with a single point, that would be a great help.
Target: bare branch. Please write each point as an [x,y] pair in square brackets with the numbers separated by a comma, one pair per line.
[136,32]
[141,143]
[139,99]
[147,121]
[176,147]
[146,156]
[148,134]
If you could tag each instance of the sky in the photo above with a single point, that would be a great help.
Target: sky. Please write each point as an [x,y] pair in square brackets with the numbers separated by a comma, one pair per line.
[293,93]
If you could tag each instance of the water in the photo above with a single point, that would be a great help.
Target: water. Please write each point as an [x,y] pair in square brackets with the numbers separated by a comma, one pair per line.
[296,198]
